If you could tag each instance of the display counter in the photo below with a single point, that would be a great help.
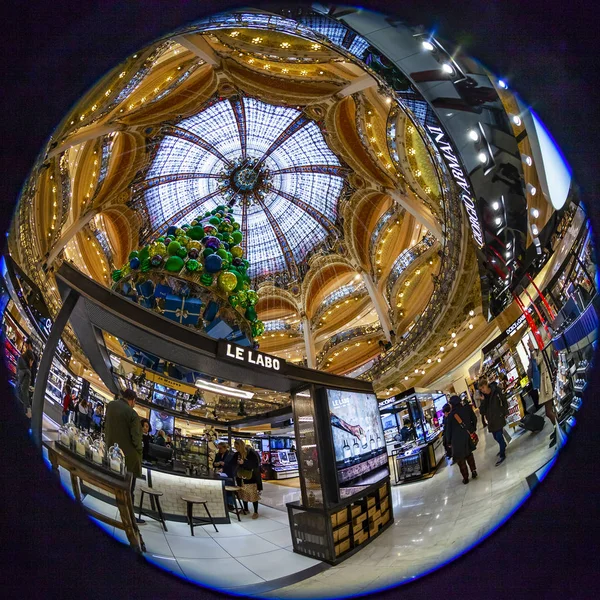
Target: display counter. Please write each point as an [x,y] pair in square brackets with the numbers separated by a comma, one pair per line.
[416,461]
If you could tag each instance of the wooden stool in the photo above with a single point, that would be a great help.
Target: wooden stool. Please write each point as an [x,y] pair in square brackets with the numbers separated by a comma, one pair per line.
[154,501]
[235,490]
[191,500]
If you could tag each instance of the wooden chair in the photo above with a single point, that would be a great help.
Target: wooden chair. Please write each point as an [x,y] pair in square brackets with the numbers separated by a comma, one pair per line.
[235,490]
[154,502]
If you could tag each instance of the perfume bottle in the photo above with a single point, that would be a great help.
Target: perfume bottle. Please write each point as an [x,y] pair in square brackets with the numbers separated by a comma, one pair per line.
[379,441]
[372,443]
[347,451]
[356,448]
[363,440]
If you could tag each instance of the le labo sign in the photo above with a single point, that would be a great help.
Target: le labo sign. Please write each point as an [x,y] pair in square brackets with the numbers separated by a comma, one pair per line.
[250,357]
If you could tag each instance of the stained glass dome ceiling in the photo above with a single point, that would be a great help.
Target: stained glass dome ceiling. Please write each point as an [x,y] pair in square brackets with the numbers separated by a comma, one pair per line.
[270,163]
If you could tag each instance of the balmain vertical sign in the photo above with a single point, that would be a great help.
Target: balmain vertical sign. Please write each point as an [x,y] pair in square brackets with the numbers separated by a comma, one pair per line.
[439,137]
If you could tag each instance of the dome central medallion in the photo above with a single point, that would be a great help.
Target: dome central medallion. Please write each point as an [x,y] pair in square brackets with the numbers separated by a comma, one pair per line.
[245,179]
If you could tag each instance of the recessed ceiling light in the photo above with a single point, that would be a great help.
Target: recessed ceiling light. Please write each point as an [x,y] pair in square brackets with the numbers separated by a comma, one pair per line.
[502,84]
[498,220]
[447,68]
[473,135]
[427,45]
[482,157]
[535,212]
[496,205]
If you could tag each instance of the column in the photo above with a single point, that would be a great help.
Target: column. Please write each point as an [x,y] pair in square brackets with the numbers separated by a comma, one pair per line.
[309,343]
[69,233]
[379,303]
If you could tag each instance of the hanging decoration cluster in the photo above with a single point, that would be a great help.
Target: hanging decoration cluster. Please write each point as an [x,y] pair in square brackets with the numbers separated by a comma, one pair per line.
[173,274]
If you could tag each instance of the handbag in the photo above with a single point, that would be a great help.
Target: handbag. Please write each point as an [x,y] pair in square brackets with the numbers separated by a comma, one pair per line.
[244,473]
[474,437]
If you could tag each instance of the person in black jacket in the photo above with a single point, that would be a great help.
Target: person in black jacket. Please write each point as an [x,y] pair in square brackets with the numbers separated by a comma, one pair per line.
[146,438]
[460,422]
[495,408]
[226,463]
[248,475]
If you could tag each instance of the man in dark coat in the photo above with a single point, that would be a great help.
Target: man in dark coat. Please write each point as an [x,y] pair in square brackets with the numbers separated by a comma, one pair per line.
[495,409]
[225,461]
[459,423]
[122,426]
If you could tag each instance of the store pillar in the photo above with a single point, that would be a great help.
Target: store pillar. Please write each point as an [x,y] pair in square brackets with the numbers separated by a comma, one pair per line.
[309,343]
[380,305]
[37,404]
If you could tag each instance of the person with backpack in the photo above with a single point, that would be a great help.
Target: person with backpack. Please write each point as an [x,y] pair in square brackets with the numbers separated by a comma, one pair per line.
[460,438]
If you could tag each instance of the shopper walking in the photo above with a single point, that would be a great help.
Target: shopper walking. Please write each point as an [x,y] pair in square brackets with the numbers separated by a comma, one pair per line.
[67,405]
[25,376]
[84,418]
[248,475]
[495,409]
[477,399]
[122,426]
[546,395]
[461,422]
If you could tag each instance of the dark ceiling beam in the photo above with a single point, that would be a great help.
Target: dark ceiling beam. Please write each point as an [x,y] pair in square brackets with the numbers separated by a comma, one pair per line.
[336,170]
[239,111]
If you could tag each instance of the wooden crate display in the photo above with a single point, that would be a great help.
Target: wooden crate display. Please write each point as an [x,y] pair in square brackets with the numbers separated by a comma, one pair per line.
[342,547]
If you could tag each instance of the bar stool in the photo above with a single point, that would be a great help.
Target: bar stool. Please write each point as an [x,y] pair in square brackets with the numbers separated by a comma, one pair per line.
[154,499]
[190,501]
[235,490]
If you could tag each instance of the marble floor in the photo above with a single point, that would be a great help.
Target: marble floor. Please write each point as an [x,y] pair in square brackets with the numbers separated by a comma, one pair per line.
[436,520]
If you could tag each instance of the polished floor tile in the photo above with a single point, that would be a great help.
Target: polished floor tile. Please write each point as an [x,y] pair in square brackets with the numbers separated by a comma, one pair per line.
[263,525]
[279,537]
[167,563]
[246,545]
[276,564]
[193,547]
[231,530]
[218,572]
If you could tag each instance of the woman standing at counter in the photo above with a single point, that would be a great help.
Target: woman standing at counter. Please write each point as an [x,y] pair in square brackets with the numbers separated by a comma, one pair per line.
[248,475]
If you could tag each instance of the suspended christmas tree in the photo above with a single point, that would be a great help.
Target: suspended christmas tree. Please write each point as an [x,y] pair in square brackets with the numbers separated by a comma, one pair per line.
[196,275]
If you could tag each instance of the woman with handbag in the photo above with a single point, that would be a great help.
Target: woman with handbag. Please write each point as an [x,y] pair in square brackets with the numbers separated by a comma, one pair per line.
[460,436]
[248,475]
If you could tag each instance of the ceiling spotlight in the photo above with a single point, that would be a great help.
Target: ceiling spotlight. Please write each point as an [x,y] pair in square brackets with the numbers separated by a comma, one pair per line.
[496,205]
[406,378]
[416,370]
[531,189]
[428,361]
[453,334]
[439,360]
[441,348]
[471,313]
[534,229]
[447,68]
[526,159]
[470,325]
[516,119]
[535,213]
[498,220]
[502,84]
[482,157]
[507,254]
[473,135]
[427,45]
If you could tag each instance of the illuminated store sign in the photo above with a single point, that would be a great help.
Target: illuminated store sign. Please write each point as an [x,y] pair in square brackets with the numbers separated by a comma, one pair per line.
[250,357]
[459,177]
[516,325]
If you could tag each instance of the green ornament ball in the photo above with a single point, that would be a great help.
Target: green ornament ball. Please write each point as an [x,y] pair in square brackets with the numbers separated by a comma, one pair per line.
[116,275]
[214,220]
[196,232]
[144,253]
[174,264]
[233,300]
[242,298]
[222,253]
[250,314]
[145,265]
[207,252]
[206,279]
[134,254]
[161,239]
[252,297]
[240,281]
[173,248]
[236,226]
[236,235]
[192,265]
[182,252]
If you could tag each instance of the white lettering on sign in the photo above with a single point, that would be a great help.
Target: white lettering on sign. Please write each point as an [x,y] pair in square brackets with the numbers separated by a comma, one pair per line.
[461,180]
[340,402]
[516,325]
[253,357]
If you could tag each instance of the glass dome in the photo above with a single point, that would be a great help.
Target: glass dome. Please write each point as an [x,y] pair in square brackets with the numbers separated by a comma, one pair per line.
[271,163]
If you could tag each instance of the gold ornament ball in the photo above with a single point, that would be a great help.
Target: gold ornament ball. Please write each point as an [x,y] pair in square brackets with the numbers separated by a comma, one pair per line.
[237,252]
[193,244]
[157,248]
[227,282]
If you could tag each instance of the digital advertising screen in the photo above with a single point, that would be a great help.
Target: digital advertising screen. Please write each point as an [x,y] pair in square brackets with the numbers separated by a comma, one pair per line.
[358,441]
[160,420]
[388,421]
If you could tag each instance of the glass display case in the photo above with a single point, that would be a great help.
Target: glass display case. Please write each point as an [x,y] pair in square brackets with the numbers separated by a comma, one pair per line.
[413,433]
[191,454]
